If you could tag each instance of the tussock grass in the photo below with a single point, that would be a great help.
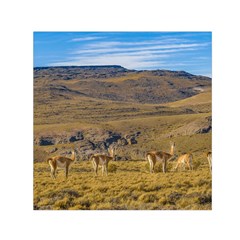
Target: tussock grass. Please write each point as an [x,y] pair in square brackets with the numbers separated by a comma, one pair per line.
[122,189]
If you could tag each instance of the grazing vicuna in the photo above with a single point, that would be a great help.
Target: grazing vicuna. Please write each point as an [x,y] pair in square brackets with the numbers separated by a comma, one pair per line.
[61,162]
[183,160]
[102,160]
[163,157]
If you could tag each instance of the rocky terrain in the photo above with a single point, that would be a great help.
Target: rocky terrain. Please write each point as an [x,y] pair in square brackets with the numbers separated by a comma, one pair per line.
[91,108]
[117,83]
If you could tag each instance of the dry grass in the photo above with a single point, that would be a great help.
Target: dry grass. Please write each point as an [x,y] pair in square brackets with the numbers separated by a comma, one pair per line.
[201,98]
[129,185]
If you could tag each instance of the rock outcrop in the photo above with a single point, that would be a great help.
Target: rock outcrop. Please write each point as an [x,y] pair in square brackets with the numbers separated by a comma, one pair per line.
[199,126]
[86,142]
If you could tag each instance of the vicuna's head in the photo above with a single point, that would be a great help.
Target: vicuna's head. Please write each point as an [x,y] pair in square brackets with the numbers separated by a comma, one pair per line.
[112,152]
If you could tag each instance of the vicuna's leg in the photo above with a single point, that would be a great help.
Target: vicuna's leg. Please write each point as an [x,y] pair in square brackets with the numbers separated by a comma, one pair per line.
[210,163]
[183,166]
[95,167]
[96,170]
[189,167]
[164,167]
[66,171]
[106,169]
[103,167]
[53,171]
[191,164]
[151,166]
[176,167]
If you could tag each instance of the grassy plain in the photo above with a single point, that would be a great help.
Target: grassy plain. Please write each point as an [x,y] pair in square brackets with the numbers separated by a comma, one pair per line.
[129,184]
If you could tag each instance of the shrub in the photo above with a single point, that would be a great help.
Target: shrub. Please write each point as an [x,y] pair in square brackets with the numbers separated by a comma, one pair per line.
[204,199]
[112,168]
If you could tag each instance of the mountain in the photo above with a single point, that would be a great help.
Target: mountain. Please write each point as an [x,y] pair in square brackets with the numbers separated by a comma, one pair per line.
[116,83]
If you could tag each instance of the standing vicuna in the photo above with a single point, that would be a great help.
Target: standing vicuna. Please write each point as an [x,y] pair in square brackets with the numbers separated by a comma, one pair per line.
[103,160]
[154,156]
[61,162]
[185,159]
[209,157]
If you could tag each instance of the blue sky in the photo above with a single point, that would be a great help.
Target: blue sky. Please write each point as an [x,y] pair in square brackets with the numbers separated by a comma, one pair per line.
[187,51]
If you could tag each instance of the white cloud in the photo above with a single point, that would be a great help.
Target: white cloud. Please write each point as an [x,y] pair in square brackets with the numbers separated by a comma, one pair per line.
[133,55]
[130,62]
[105,47]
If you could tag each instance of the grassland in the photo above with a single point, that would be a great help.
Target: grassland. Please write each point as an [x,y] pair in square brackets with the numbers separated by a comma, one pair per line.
[60,107]
[128,186]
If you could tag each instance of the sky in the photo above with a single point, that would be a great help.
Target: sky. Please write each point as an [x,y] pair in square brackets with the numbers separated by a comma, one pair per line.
[177,51]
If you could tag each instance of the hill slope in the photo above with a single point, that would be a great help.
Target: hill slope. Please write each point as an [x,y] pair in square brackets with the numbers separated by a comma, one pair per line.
[116,83]
[74,104]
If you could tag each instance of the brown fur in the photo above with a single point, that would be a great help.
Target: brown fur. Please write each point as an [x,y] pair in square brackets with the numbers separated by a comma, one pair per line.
[60,162]
[163,157]
[102,160]
[185,159]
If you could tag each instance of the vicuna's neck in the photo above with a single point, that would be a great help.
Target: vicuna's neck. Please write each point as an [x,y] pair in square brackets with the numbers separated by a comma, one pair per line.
[172,150]
[73,156]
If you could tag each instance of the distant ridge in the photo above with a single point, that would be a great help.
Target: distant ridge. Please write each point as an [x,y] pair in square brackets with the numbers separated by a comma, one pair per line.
[119,68]
[116,83]
[82,67]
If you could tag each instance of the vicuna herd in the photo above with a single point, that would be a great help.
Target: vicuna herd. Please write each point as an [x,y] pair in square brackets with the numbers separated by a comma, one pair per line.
[152,157]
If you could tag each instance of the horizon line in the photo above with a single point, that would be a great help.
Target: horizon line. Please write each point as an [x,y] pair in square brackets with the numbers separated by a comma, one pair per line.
[114,65]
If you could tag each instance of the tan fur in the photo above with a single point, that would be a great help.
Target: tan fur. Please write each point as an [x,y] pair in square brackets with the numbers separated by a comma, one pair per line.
[163,157]
[183,160]
[102,160]
[209,157]
[61,162]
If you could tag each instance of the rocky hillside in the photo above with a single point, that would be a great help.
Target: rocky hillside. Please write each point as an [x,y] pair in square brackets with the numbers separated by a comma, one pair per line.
[86,142]
[116,83]
[91,108]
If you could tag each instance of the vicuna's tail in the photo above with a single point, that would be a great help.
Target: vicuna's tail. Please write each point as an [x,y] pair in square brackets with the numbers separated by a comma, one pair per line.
[73,157]
[148,156]
[49,159]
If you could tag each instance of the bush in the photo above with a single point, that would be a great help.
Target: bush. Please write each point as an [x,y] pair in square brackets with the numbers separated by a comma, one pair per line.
[204,199]
[112,168]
